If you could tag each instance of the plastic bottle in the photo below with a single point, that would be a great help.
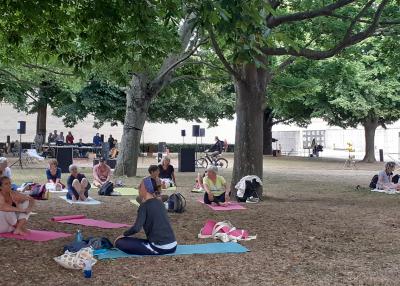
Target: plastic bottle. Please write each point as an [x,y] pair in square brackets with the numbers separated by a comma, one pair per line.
[78,236]
[87,268]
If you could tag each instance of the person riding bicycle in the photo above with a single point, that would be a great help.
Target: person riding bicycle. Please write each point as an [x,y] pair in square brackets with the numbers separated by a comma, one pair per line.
[217,148]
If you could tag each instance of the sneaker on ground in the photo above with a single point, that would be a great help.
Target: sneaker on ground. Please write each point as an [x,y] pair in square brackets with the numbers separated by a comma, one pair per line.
[252,200]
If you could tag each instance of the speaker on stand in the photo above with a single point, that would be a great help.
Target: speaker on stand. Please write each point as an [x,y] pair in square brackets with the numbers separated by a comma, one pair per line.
[162,146]
[183,134]
[196,133]
[202,134]
[20,130]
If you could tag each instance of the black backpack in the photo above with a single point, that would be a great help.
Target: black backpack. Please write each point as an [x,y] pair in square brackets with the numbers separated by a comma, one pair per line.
[395,179]
[374,180]
[250,191]
[106,189]
[176,203]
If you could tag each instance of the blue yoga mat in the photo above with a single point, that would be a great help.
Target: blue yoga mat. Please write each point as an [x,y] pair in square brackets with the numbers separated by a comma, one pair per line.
[207,248]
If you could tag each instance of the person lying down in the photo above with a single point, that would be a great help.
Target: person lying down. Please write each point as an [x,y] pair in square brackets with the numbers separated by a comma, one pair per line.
[14,209]
[152,217]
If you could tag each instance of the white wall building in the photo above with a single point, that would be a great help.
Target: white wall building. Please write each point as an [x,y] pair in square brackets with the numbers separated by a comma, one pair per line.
[290,137]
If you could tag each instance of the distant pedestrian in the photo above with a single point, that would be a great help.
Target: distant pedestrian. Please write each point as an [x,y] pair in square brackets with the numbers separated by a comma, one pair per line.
[70,138]
[97,140]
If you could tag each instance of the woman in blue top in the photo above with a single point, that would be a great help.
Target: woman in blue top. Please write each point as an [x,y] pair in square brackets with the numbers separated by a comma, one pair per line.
[152,217]
[53,174]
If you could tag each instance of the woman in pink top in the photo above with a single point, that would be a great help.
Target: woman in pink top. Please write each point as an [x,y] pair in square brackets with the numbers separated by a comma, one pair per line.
[101,173]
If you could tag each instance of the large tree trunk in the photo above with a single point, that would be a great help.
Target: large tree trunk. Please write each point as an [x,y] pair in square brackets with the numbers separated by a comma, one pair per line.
[370,126]
[250,94]
[41,120]
[267,133]
[137,105]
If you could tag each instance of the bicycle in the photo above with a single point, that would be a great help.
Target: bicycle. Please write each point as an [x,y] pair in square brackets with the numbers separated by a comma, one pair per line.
[214,161]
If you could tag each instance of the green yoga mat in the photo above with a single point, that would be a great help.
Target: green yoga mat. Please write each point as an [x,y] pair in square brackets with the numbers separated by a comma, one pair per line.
[134,202]
[127,191]
[135,192]
[172,189]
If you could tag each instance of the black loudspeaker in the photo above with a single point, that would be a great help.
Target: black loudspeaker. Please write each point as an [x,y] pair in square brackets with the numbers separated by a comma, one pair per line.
[183,133]
[105,150]
[64,158]
[21,127]
[202,132]
[102,137]
[186,160]
[196,130]
[8,139]
[162,146]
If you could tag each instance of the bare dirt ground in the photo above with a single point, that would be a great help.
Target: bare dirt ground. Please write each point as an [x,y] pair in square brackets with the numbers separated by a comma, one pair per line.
[312,228]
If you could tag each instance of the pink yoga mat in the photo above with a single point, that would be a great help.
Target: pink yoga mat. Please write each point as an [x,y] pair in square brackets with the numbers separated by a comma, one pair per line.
[82,220]
[37,235]
[230,207]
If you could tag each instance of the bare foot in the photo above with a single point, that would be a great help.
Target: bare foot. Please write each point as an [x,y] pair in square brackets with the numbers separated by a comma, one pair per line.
[224,204]
[19,231]
[25,230]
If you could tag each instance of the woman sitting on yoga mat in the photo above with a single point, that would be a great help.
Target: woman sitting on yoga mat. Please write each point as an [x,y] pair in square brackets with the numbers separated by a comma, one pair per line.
[385,178]
[78,185]
[215,188]
[152,216]
[53,174]
[14,209]
[167,174]
[101,173]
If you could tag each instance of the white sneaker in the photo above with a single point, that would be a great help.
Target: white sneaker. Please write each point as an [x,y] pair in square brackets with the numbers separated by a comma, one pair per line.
[252,200]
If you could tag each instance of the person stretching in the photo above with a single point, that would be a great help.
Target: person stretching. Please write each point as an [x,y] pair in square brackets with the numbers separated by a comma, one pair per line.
[78,185]
[152,217]
[215,188]
[101,173]
[53,174]
[14,209]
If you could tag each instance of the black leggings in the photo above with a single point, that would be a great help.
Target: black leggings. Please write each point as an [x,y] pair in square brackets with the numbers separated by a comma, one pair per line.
[132,245]
[217,199]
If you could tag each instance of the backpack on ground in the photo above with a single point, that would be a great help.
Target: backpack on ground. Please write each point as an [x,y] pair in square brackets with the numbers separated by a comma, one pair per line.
[106,189]
[250,191]
[176,203]
[374,181]
[38,192]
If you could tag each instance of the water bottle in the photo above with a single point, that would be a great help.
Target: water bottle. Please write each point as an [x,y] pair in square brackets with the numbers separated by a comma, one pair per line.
[78,236]
[87,268]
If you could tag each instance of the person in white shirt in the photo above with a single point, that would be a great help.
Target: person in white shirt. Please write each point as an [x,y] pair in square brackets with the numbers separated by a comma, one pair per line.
[5,171]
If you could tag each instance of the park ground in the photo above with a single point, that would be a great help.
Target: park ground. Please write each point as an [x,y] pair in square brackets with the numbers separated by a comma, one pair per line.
[313,228]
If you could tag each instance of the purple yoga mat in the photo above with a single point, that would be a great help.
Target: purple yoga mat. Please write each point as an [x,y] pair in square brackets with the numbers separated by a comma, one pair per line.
[82,220]
[36,235]
[232,206]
